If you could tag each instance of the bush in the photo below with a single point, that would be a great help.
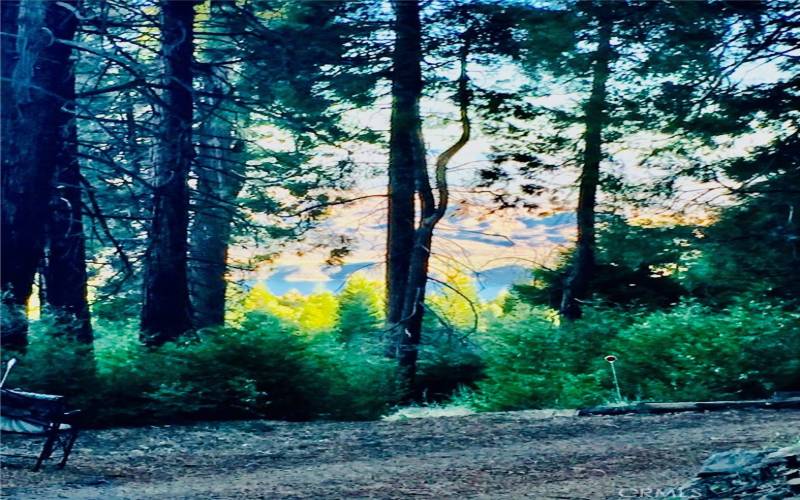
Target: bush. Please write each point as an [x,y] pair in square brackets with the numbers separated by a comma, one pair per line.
[688,352]
[692,352]
[356,380]
[257,369]
[446,363]
[52,363]
[263,368]
[528,365]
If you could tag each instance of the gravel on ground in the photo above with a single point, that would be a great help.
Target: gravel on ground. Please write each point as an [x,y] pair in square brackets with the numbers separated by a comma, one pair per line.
[492,455]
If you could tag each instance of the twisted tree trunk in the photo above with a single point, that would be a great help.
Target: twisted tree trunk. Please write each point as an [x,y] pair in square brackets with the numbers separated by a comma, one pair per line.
[409,333]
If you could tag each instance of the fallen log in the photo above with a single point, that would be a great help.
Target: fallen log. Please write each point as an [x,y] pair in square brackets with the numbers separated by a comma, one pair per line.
[655,408]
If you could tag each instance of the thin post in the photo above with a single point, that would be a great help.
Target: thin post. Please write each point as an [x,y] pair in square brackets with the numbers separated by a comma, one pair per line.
[611,359]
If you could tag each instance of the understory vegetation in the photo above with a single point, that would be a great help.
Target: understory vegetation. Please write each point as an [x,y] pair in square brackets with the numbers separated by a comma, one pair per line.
[321,356]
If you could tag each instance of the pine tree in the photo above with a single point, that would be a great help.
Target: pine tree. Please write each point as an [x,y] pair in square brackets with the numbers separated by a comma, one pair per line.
[38,136]
[620,59]
[165,308]
[360,308]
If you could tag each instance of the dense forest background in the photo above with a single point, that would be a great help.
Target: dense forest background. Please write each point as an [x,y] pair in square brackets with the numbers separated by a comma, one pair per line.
[158,156]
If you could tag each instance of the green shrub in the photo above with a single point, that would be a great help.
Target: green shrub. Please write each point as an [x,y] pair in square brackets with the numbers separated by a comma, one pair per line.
[52,363]
[253,370]
[355,379]
[263,368]
[528,365]
[688,352]
[692,352]
[445,364]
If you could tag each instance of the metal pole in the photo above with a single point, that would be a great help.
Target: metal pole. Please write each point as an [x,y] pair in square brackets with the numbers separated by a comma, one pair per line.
[616,383]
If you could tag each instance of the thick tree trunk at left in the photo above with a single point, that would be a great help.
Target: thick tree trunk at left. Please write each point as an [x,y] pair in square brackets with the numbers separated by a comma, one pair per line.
[576,285]
[166,312]
[65,272]
[37,75]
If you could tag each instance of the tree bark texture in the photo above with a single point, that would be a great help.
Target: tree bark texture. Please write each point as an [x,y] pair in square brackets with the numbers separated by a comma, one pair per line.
[406,153]
[65,272]
[220,176]
[408,334]
[166,313]
[576,284]
[38,84]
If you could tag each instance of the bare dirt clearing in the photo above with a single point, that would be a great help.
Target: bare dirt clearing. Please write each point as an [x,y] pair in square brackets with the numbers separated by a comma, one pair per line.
[497,455]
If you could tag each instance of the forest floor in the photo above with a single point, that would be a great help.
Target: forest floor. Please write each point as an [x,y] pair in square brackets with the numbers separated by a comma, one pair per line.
[491,455]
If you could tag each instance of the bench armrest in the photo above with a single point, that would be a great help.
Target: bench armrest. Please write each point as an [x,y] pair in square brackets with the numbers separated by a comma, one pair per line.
[70,416]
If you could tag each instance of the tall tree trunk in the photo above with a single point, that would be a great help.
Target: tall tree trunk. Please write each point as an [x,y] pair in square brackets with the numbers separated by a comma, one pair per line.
[65,271]
[39,70]
[165,310]
[220,177]
[409,333]
[576,285]
[14,323]
[406,153]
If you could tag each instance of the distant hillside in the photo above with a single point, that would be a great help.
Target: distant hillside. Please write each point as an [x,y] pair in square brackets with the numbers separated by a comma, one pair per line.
[490,283]
[497,250]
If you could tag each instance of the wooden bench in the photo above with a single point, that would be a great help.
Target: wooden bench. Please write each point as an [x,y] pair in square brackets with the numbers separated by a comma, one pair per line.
[39,415]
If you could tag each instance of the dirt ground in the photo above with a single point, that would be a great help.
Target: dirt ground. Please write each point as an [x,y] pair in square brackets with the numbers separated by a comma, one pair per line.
[496,455]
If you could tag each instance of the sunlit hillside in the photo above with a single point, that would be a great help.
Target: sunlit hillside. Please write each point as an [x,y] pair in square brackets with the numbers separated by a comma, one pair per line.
[496,249]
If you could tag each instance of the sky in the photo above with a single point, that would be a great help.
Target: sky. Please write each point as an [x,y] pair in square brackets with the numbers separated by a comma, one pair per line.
[472,237]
